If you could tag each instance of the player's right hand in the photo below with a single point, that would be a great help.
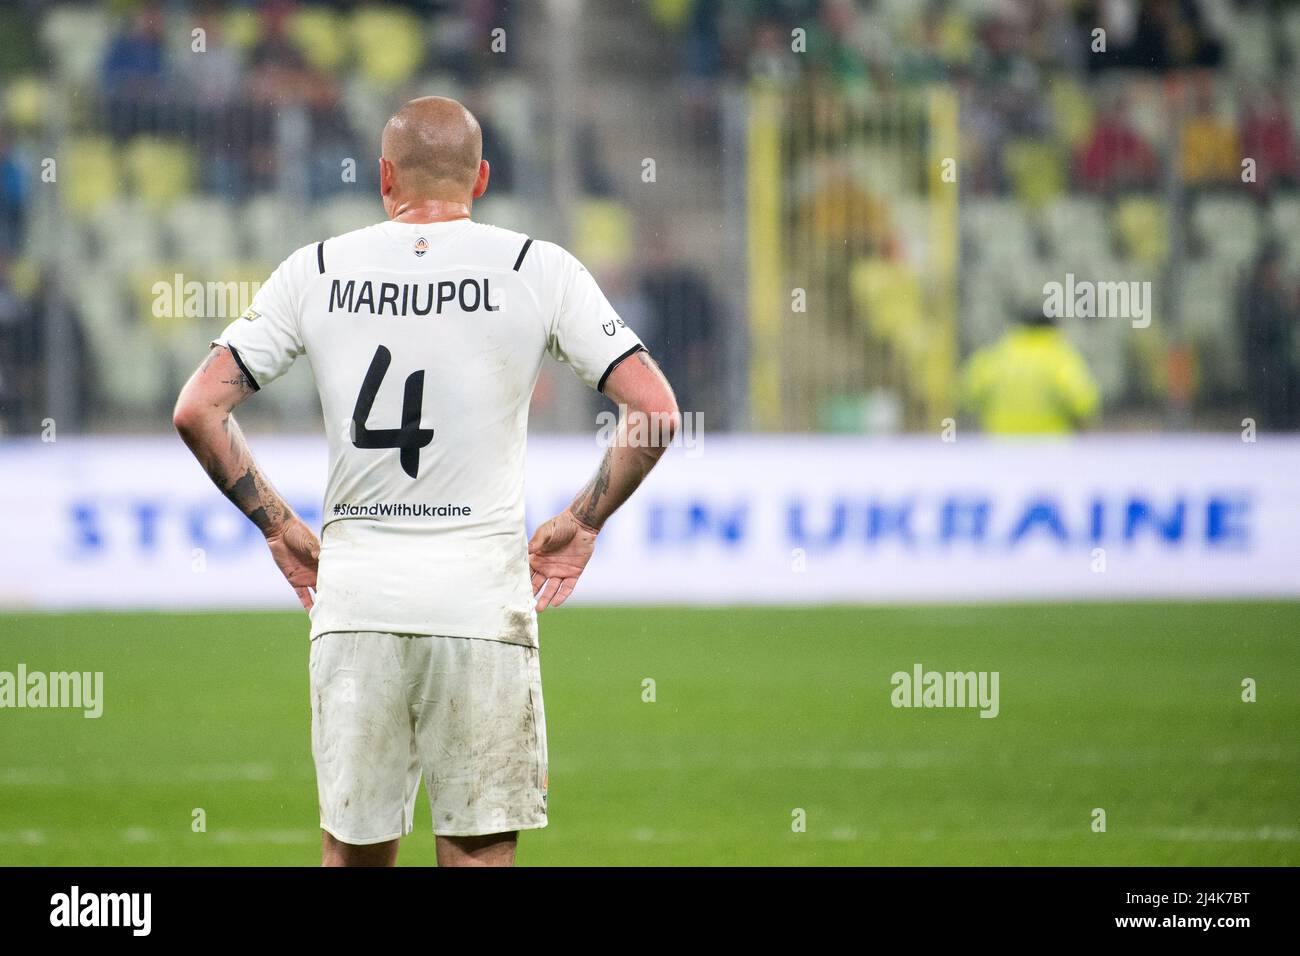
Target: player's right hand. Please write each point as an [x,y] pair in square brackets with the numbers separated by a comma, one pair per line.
[557,555]
[296,551]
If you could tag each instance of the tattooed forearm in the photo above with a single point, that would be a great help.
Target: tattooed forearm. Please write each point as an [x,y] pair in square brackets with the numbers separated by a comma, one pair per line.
[626,463]
[207,426]
[648,420]
[587,506]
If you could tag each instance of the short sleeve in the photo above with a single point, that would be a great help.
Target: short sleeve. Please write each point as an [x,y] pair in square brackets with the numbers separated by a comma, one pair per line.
[265,339]
[588,334]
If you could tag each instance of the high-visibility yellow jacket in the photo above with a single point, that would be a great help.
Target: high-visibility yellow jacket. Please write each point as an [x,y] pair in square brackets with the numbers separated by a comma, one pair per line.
[1030,382]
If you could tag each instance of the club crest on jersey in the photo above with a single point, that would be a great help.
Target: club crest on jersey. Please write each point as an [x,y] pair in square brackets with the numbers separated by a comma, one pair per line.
[421,246]
[251,314]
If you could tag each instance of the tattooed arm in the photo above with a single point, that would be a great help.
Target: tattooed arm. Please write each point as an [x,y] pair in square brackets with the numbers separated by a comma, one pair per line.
[648,420]
[204,418]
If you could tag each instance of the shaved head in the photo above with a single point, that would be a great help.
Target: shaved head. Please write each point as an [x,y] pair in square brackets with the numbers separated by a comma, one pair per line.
[435,146]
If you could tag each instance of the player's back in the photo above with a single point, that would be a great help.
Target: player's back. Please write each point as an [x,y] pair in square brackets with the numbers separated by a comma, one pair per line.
[425,341]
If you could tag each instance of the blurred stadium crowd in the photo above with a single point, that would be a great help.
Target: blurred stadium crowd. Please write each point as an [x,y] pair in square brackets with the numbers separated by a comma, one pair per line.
[1161,149]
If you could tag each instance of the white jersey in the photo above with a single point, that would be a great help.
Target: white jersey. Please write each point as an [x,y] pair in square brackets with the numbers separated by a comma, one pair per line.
[426,341]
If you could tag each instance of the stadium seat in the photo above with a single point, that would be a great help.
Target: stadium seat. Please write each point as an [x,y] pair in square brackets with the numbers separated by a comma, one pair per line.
[984,313]
[670,14]
[389,45]
[1072,112]
[602,234]
[1104,348]
[26,103]
[1148,112]
[1291,30]
[1077,231]
[90,174]
[1037,171]
[997,231]
[203,231]
[77,38]
[1207,291]
[127,234]
[1210,152]
[151,294]
[160,171]
[1142,224]
[242,28]
[1250,43]
[508,107]
[271,229]
[127,356]
[507,212]
[1229,227]
[343,214]
[1284,228]
[321,36]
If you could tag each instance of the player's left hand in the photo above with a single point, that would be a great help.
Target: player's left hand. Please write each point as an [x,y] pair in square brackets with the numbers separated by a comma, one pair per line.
[557,555]
[296,551]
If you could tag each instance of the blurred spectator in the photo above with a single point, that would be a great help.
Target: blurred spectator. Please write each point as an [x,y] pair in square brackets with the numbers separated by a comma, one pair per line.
[681,325]
[24,327]
[772,58]
[496,147]
[1031,382]
[14,354]
[1115,157]
[1158,35]
[1269,315]
[134,62]
[213,80]
[14,193]
[134,75]
[1268,139]
[213,76]
[279,76]
[279,72]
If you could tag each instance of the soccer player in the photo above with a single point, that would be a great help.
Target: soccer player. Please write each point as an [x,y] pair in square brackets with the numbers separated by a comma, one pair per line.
[425,334]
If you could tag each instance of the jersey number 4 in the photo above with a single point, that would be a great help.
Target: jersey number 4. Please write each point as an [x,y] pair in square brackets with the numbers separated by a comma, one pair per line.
[410,438]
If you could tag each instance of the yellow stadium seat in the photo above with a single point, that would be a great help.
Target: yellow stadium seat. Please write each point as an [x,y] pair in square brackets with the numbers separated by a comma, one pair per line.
[159,170]
[390,45]
[1072,112]
[956,39]
[25,276]
[25,101]
[1142,225]
[90,175]
[242,28]
[321,36]
[155,297]
[671,14]
[127,233]
[602,234]
[1037,172]
[1210,152]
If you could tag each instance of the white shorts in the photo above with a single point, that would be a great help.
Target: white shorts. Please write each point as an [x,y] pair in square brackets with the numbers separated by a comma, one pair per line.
[466,713]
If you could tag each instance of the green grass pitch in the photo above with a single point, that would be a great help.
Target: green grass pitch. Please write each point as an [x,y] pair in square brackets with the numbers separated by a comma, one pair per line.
[1132,708]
